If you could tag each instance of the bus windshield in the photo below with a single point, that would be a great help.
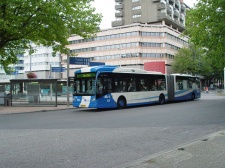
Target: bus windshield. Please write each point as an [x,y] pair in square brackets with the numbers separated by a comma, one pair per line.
[85,84]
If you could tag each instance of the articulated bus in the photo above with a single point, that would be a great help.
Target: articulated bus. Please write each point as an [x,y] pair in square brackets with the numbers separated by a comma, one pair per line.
[117,87]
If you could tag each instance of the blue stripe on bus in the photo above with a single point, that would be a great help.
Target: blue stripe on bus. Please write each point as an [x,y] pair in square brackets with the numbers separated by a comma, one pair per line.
[186,94]
[107,101]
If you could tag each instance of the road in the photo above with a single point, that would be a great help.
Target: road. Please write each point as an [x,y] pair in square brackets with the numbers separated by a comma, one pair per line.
[87,138]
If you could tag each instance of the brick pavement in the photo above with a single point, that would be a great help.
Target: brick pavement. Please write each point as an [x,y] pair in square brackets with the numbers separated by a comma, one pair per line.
[205,152]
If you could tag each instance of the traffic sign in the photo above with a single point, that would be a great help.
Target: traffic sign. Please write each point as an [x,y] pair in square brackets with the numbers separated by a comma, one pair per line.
[79,60]
[96,63]
[14,73]
[58,69]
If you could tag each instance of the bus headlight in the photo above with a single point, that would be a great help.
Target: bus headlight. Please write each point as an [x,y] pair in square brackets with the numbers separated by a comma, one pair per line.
[93,99]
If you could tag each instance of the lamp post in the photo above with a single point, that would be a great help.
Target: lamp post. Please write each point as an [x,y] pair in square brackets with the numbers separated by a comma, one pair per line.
[224,80]
[67,76]
[30,62]
[119,55]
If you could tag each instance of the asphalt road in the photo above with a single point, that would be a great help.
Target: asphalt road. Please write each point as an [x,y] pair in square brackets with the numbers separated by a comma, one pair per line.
[87,138]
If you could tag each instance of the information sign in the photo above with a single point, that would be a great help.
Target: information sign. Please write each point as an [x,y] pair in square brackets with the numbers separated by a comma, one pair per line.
[58,69]
[79,60]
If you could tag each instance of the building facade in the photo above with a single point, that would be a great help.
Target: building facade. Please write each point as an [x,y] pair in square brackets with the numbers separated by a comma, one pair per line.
[41,61]
[17,73]
[171,12]
[128,46]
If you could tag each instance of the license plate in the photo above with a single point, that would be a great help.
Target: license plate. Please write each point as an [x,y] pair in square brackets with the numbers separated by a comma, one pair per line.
[82,105]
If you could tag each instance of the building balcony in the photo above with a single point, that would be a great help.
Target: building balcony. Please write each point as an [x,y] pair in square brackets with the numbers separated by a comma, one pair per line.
[183,8]
[177,21]
[163,15]
[171,2]
[169,21]
[136,12]
[119,7]
[136,20]
[155,0]
[182,17]
[161,6]
[117,23]
[119,14]
[177,4]
[169,9]
[176,13]
[138,3]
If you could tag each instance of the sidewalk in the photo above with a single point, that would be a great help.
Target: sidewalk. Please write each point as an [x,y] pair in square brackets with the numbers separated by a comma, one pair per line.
[24,109]
[206,152]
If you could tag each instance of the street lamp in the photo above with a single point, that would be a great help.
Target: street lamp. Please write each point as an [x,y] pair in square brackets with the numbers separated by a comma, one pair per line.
[67,76]
[120,55]
[224,80]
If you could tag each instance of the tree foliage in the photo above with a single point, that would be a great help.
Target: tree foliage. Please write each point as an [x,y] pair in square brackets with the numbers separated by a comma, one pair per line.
[46,22]
[191,60]
[206,27]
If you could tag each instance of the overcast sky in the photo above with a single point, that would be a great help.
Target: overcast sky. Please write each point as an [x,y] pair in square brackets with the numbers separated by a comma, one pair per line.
[107,8]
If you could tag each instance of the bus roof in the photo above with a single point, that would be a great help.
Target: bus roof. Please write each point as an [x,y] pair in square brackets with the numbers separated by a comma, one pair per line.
[183,75]
[115,69]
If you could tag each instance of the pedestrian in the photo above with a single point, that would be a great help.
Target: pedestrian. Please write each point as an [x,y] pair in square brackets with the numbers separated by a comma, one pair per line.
[206,89]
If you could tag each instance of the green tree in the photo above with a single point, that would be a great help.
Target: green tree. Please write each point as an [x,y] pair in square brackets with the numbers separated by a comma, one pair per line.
[206,28]
[191,60]
[46,22]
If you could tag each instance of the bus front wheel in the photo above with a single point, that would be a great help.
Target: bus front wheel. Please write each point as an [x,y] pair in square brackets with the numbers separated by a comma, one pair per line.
[121,103]
[161,99]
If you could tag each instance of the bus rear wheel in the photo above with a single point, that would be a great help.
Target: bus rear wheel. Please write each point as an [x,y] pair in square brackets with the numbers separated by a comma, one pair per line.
[161,99]
[121,103]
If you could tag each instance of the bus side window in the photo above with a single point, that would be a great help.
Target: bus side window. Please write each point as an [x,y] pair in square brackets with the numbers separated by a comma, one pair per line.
[99,87]
[83,86]
[162,86]
[110,85]
[180,85]
[125,86]
[120,86]
[77,86]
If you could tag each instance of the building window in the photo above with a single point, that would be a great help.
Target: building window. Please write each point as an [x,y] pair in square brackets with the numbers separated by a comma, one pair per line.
[135,0]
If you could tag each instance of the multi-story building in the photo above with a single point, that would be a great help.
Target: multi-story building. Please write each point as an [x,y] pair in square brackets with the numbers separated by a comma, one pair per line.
[41,62]
[171,12]
[133,45]
[17,73]
[146,35]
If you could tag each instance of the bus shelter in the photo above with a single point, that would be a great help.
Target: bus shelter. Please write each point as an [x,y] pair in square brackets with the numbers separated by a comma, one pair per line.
[33,92]
[4,92]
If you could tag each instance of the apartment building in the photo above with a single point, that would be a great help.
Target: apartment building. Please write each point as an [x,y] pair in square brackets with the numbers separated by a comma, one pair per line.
[129,46]
[17,73]
[41,62]
[171,12]
[146,34]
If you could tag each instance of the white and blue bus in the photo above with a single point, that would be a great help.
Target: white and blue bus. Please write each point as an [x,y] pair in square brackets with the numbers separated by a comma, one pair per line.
[117,87]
